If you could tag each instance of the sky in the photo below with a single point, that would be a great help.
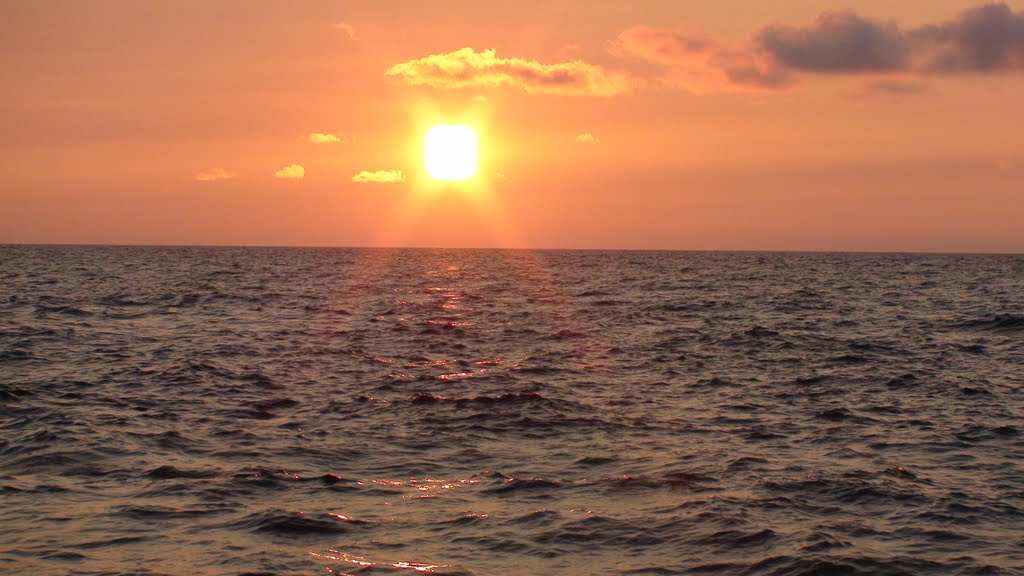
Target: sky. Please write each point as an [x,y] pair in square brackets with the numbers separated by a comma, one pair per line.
[651,124]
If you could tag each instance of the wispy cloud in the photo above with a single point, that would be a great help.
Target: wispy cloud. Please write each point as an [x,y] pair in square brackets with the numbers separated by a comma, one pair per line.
[467,68]
[291,172]
[325,138]
[895,86]
[699,64]
[347,28]
[379,177]
[665,47]
[587,138]
[214,174]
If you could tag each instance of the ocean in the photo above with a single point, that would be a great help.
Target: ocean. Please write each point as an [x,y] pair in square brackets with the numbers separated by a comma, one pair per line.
[378,411]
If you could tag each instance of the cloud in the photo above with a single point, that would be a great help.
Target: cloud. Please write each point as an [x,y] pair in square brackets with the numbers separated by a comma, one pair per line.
[214,174]
[838,43]
[467,68]
[291,172]
[986,39]
[895,87]
[321,138]
[662,46]
[587,138]
[572,49]
[347,28]
[699,64]
[379,177]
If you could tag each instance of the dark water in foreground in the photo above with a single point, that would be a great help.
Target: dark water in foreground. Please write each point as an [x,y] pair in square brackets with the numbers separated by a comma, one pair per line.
[288,411]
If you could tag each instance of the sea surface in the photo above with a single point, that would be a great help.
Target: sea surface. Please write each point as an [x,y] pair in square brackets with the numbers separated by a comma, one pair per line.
[351,411]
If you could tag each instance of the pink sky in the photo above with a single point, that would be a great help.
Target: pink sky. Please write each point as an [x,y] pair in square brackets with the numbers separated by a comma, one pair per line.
[797,125]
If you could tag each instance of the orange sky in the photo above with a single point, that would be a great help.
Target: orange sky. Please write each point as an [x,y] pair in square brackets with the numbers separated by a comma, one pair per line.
[796,125]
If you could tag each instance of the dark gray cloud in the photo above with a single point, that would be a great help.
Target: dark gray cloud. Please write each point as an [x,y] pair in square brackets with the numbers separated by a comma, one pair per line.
[749,69]
[838,43]
[985,39]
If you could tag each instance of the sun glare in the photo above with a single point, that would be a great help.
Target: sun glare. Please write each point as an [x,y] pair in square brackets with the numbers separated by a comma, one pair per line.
[450,152]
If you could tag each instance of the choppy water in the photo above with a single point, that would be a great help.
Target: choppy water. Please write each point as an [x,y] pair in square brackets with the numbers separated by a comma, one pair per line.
[293,411]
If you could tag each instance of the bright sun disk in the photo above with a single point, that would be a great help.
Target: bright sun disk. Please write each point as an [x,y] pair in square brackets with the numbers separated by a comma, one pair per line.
[450,152]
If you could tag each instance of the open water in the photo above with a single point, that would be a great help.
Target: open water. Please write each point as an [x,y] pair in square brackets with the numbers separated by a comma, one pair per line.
[332,411]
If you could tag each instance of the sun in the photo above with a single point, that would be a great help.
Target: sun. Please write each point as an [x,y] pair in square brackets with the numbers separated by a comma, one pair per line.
[450,152]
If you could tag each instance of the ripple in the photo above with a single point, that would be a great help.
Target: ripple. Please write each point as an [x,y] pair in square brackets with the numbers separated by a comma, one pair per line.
[293,411]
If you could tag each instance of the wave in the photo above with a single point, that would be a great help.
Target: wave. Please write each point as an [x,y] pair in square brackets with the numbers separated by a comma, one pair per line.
[521,485]
[292,411]
[996,323]
[508,398]
[287,523]
[73,311]
[168,472]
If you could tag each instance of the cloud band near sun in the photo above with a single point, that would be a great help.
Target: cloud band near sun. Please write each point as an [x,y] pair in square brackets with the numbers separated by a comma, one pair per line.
[467,68]
[379,177]
[985,39]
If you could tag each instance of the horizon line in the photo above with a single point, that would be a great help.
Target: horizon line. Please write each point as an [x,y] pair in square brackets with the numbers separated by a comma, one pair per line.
[500,249]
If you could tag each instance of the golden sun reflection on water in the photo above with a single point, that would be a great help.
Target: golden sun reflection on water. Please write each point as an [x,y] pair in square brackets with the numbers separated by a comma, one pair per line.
[363,563]
[428,485]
